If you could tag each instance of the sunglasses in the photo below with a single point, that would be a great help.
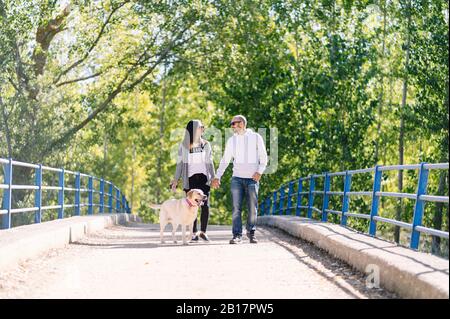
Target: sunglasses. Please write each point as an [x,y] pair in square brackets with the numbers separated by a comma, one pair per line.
[232,123]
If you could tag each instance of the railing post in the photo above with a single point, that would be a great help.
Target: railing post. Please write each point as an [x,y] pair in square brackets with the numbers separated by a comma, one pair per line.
[110,199]
[117,200]
[90,195]
[38,195]
[77,193]
[299,197]
[289,203]
[326,189]
[123,203]
[274,203]
[101,208]
[281,203]
[419,206]
[375,200]
[311,195]
[7,195]
[61,194]
[267,206]
[345,198]
[261,209]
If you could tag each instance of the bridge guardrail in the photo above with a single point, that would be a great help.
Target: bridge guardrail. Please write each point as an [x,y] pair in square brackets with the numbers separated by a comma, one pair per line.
[275,205]
[113,193]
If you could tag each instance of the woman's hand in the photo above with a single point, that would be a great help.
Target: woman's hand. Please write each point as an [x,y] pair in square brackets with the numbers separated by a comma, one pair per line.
[173,185]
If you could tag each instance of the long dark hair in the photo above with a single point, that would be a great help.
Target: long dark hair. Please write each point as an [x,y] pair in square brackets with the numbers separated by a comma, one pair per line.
[191,131]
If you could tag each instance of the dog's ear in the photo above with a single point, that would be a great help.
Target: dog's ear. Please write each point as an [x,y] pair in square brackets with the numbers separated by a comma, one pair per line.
[200,192]
[190,193]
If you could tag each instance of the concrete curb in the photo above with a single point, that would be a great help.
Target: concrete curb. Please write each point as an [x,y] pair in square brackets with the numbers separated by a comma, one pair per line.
[408,273]
[24,242]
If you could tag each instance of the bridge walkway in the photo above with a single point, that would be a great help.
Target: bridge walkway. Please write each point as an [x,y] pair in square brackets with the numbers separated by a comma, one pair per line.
[128,261]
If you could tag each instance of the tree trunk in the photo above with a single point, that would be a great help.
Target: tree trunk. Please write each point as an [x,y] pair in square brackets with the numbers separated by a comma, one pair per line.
[340,111]
[45,33]
[6,128]
[134,157]
[402,125]
[381,94]
[105,153]
[400,181]
[161,135]
[443,181]
[132,176]
[384,154]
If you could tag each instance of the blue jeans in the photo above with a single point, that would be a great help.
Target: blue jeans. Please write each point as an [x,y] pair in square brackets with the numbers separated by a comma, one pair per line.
[241,187]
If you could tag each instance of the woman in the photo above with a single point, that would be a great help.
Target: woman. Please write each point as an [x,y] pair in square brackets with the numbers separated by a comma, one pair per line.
[195,166]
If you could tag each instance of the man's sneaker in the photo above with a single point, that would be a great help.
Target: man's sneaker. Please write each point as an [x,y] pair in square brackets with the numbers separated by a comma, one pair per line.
[194,238]
[203,236]
[236,240]
[252,239]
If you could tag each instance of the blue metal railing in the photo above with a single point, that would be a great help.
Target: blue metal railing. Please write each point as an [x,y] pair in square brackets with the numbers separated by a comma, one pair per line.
[276,207]
[121,204]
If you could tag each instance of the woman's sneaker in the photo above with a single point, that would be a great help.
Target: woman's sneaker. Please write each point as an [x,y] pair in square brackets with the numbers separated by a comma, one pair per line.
[236,240]
[203,236]
[194,238]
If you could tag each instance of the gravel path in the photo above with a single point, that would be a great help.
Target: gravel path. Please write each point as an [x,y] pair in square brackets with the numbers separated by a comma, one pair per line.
[129,262]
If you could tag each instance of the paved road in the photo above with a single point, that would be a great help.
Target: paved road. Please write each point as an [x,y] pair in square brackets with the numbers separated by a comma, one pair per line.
[130,262]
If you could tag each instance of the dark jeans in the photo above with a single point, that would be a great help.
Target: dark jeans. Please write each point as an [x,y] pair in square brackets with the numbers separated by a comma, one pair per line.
[199,181]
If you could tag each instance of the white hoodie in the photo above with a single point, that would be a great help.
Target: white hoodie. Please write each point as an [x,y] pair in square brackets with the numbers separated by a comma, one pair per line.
[249,154]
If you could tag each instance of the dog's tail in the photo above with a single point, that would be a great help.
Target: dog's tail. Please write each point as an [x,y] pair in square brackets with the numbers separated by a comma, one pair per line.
[155,206]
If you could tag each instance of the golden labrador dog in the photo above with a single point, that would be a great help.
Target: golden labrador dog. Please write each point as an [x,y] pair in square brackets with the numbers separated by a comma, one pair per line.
[180,212]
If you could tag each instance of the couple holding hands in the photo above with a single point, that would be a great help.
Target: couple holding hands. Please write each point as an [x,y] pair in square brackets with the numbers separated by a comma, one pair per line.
[196,168]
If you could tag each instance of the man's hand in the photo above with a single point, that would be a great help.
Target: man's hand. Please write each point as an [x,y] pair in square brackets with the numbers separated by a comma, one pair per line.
[256,177]
[215,183]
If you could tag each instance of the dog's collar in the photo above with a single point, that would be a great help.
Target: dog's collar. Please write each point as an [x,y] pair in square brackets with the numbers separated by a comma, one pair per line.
[190,204]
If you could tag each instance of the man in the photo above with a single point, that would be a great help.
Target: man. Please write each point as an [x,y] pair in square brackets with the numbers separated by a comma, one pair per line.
[250,160]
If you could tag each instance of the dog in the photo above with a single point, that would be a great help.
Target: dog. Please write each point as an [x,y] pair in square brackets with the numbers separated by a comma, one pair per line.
[180,212]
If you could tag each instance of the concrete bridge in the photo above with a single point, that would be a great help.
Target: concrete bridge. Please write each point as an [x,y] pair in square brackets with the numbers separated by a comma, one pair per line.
[117,256]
